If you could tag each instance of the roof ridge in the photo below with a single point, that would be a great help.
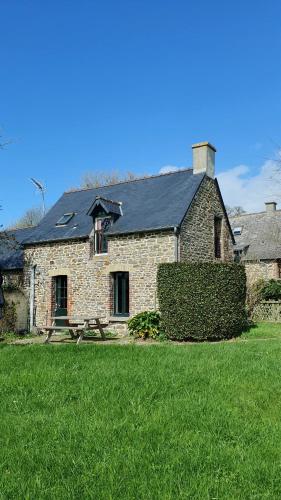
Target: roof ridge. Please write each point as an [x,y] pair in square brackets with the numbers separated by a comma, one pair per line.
[254,213]
[13,229]
[98,197]
[128,181]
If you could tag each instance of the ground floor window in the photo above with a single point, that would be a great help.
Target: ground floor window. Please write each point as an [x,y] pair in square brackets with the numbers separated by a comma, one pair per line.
[60,295]
[121,293]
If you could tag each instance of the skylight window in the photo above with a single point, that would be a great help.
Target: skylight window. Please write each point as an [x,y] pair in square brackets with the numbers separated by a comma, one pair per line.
[65,219]
[237,231]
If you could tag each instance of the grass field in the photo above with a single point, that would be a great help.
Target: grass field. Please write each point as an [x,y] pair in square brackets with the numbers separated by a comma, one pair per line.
[198,421]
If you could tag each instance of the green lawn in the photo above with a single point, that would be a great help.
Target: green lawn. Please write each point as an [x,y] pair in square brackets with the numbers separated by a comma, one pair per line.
[198,421]
[263,331]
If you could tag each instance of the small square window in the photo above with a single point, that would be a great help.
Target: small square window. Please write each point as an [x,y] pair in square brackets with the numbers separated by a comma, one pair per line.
[65,219]
[237,231]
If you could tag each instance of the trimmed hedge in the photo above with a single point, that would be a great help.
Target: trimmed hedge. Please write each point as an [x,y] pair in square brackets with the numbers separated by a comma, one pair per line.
[202,301]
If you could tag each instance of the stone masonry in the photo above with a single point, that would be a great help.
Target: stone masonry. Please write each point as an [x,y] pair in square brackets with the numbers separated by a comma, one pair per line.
[197,232]
[90,278]
[263,269]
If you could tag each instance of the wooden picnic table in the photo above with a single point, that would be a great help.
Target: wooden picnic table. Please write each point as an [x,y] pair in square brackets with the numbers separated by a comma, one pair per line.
[75,326]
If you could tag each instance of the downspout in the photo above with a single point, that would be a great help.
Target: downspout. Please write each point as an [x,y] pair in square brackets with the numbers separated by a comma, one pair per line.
[31,298]
[176,243]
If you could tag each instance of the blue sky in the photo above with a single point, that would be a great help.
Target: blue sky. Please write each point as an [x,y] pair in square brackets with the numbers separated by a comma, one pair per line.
[130,85]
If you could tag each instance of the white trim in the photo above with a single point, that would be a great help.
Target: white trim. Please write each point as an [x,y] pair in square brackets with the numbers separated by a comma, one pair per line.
[32,297]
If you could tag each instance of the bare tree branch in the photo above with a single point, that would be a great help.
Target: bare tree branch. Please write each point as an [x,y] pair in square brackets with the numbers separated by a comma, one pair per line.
[30,218]
[234,211]
[95,180]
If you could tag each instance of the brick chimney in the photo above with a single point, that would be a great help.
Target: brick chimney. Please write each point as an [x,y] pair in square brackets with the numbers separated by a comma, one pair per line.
[204,158]
[270,206]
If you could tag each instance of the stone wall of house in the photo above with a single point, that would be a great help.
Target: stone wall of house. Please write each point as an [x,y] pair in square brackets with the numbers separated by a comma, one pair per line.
[90,289]
[14,296]
[197,239]
[90,277]
[13,278]
[264,269]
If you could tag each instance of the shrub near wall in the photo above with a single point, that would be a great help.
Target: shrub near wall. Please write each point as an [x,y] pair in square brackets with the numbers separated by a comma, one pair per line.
[202,301]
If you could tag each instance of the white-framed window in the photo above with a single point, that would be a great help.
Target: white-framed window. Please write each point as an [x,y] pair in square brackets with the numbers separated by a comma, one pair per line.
[237,231]
[101,225]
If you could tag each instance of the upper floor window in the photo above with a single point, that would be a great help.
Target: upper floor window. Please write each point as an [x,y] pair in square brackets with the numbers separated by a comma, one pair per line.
[101,225]
[217,234]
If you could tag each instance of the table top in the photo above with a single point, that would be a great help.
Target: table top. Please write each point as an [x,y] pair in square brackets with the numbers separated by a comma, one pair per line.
[76,318]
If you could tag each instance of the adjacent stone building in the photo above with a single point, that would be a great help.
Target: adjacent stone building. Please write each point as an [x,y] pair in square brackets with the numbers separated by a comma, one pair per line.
[11,265]
[97,251]
[258,243]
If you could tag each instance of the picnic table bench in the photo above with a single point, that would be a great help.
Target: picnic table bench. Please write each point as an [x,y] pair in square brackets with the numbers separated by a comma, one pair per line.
[75,326]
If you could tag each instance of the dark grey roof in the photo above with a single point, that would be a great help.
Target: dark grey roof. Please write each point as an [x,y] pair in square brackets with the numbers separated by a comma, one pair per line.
[260,235]
[11,250]
[109,206]
[148,204]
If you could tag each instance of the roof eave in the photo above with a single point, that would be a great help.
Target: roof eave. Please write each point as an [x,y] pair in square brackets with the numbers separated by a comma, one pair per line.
[139,231]
[58,240]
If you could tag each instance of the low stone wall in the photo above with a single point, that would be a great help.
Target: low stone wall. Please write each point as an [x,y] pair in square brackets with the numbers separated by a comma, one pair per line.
[263,269]
[269,310]
[15,300]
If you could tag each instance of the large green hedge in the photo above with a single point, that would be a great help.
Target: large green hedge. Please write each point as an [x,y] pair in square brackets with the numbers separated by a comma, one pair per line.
[202,301]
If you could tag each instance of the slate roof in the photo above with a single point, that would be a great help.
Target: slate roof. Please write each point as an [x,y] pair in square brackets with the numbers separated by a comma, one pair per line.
[260,236]
[148,204]
[109,206]
[11,249]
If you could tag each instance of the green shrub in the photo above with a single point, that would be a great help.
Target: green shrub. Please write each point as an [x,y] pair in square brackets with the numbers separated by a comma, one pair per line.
[145,324]
[271,290]
[202,301]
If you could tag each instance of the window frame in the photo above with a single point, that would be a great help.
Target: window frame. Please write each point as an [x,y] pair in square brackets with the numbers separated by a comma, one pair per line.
[70,216]
[237,231]
[124,310]
[218,250]
[100,232]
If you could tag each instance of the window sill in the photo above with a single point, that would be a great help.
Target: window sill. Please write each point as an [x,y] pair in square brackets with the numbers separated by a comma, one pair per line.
[118,319]
[100,254]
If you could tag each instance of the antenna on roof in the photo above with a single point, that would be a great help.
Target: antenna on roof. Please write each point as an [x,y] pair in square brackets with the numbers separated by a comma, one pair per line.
[41,188]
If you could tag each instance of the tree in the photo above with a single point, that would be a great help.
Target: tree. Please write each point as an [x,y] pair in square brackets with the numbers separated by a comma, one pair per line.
[95,180]
[30,218]
[234,211]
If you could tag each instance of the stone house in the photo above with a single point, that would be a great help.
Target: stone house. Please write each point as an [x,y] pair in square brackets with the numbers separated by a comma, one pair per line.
[258,243]
[97,250]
